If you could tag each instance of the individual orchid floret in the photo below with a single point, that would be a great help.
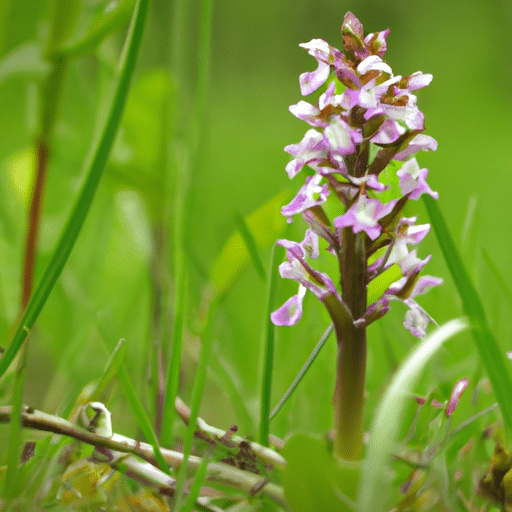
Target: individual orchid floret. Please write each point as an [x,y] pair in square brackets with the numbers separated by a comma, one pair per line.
[326,56]
[456,395]
[311,149]
[416,319]
[415,81]
[364,215]
[419,142]
[406,233]
[412,180]
[297,269]
[311,194]
[411,264]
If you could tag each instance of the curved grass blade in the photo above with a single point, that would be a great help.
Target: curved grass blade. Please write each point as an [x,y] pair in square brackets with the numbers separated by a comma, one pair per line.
[386,424]
[494,360]
[84,200]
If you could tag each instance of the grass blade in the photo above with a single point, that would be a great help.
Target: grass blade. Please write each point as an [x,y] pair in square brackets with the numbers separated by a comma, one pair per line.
[303,370]
[494,360]
[195,489]
[84,200]
[269,338]
[497,275]
[142,418]
[197,394]
[173,374]
[251,245]
[386,423]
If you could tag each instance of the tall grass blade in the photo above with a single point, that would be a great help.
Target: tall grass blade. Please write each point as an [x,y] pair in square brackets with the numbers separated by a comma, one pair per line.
[87,193]
[269,339]
[386,424]
[173,374]
[494,360]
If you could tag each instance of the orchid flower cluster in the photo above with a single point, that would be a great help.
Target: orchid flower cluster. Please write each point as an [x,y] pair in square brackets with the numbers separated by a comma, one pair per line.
[366,117]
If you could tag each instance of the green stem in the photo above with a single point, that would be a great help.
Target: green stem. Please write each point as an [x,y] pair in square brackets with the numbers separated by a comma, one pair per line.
[351,366]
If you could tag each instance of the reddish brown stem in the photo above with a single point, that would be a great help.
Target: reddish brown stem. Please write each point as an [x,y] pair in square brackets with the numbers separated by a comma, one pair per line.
[34,218]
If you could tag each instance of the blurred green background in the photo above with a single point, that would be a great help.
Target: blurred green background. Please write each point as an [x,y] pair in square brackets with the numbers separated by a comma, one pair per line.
[105,293]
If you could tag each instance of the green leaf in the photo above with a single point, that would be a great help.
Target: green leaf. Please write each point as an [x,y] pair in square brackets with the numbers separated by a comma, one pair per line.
[265,224]
[314,480]
[375,487]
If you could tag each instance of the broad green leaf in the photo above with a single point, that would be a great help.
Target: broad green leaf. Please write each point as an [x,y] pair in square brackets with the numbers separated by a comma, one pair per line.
[314,480]
[265,224]
[387,421]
